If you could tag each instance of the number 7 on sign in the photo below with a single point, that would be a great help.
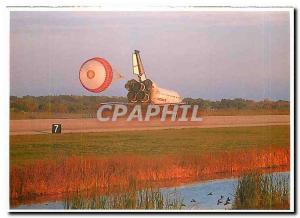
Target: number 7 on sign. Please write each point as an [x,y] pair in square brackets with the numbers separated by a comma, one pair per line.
[56,128]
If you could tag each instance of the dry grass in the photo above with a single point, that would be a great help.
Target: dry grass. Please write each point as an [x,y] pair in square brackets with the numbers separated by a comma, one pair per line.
[102,174]
[257,191]
[147,198]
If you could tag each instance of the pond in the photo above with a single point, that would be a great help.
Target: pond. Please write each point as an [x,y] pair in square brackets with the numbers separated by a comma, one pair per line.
[209,195]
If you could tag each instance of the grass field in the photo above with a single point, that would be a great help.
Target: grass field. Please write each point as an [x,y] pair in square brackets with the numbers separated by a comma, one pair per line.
[173,141]
[51,165]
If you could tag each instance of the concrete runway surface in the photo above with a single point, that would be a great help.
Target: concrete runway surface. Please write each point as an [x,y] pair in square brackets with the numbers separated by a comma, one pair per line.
[43,126]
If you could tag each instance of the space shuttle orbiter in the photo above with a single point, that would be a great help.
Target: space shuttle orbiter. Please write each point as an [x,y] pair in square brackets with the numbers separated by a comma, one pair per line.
[96,75]
[145,90]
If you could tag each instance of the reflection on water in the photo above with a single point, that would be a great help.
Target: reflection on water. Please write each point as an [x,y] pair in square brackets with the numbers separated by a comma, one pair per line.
[209,195]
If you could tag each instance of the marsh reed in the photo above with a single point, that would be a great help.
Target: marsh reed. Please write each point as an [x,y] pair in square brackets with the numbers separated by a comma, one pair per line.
[116,174]
[257,191]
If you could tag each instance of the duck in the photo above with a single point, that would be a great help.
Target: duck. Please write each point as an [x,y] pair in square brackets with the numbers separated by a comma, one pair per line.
[227,201]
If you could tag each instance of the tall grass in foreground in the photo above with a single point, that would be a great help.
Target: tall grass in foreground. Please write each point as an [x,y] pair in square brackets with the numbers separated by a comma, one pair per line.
[149,198]
[257,191]
[49,178]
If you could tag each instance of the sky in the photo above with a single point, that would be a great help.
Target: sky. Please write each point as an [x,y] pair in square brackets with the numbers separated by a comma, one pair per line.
[210,55]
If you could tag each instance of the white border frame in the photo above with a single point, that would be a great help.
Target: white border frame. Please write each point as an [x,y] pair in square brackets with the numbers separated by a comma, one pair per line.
[116,8]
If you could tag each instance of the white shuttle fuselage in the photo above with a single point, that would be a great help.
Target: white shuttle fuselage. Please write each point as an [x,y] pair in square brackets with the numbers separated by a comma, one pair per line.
[164,96]
[148,91]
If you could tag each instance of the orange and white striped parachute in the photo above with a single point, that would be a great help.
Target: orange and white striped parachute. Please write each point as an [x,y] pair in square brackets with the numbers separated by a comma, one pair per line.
[96,75]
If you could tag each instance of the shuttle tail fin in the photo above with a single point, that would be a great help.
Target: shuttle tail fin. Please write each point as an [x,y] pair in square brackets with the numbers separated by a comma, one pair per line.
[137,66]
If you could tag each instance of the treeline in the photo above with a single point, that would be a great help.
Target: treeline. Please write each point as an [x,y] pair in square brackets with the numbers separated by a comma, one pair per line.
[239,104]
[90,104]
[60,103]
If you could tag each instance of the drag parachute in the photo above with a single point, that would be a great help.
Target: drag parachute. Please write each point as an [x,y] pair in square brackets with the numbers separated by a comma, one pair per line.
[96,75]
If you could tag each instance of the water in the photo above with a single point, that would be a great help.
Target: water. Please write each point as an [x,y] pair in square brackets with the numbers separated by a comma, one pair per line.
[195,196]
[56,205]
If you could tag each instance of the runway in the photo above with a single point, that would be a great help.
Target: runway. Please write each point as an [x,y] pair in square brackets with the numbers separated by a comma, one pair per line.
[43,126]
